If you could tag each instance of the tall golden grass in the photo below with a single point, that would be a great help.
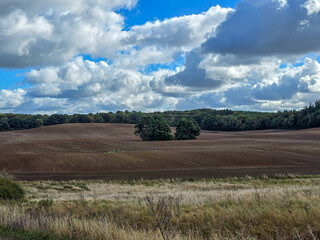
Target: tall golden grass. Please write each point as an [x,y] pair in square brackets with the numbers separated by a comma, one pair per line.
[247,209]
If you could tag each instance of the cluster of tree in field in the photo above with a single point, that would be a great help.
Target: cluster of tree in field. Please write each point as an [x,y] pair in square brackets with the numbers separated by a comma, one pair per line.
[155,127]
[207,119]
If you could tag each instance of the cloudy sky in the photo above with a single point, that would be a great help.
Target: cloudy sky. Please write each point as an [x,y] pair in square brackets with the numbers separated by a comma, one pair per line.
[66,56]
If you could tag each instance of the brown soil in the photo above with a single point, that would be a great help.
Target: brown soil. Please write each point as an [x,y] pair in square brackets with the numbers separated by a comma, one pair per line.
[94,151]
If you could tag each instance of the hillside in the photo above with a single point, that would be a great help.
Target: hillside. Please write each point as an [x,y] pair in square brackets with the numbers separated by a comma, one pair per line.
[111,151]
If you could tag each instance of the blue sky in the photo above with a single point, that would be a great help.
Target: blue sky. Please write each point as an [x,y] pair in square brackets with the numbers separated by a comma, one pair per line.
[94,56]
[159,10]
[10,79]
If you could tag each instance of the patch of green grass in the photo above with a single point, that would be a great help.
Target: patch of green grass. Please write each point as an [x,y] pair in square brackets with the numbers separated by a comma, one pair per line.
[23,235]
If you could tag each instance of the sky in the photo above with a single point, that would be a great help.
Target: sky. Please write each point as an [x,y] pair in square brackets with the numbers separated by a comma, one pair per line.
[63,56]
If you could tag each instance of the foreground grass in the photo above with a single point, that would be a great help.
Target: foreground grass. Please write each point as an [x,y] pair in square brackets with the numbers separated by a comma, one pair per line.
[281,207]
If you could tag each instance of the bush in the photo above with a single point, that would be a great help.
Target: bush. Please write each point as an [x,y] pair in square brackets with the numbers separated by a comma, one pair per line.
[10,190]
[187,129]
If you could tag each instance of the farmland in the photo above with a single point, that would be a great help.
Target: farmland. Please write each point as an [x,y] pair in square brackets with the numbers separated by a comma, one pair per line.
[111,151]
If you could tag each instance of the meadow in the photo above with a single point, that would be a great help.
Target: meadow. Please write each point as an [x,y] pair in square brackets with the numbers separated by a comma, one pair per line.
[278,207]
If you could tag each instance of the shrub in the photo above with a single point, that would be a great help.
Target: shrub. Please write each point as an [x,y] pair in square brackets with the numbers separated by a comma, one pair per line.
[187,129]
[10,190]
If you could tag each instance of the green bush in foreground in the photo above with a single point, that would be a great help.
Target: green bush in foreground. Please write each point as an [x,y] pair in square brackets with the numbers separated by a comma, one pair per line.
[10,190]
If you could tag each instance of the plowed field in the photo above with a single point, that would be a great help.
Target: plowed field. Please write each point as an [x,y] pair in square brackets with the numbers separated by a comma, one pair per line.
[107,151]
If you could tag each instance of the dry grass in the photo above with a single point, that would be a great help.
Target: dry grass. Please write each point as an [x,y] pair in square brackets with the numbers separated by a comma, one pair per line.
[247,208]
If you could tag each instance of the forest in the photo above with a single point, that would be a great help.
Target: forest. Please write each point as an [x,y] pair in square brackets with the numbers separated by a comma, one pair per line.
[208,119]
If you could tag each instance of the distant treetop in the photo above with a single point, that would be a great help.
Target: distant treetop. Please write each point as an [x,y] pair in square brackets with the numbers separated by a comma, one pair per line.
[207,119]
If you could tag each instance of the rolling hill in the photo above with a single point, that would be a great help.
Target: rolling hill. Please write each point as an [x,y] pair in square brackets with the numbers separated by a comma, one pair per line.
[92,151]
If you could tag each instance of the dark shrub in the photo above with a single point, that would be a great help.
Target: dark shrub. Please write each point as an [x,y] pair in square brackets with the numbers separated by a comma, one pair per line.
[10,190]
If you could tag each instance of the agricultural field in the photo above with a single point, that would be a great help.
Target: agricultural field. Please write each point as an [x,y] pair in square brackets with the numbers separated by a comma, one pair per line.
[279,207]
[99,181]
[111,151]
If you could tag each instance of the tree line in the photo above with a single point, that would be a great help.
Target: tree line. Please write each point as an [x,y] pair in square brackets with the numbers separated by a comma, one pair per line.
[207,119]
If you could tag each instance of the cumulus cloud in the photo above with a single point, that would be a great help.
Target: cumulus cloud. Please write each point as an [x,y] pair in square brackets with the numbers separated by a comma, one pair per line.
[186,81]
[291,81]
[261,28]
[244,58]
[185,32]
[40,33]
[9,100]
[93,86]
[161,41]
[50,34]
[290,88]
[312,6]
[43,33]
[240,63]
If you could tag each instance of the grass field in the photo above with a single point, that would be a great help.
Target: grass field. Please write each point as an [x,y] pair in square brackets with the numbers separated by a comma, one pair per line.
[110,151]
[279,207]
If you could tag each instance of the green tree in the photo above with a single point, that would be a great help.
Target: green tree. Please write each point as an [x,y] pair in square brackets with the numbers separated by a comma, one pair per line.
[97,118]
[153,127]
[4,125]
[187,129]
[56,119]
[80,118]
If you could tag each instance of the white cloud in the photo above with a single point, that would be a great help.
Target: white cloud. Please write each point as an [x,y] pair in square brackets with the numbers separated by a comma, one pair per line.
[10,100]
[282,3]
[240,64]
[47,75]
[217,68]
[50,32]
[135,59]
[312,6]
[232,57]
[103,86]
[185,32]
[19,33]
[161,41]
